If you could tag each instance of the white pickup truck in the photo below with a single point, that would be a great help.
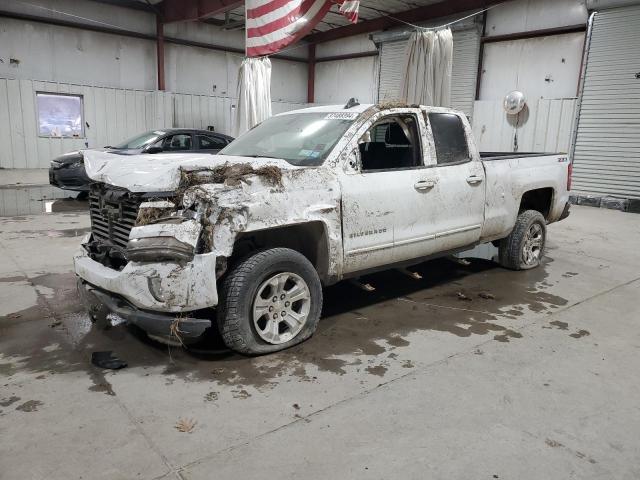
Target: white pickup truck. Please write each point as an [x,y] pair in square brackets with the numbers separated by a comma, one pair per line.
[244,241]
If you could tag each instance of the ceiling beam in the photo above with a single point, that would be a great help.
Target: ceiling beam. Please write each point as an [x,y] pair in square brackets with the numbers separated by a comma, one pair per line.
[192,10]
[415,15]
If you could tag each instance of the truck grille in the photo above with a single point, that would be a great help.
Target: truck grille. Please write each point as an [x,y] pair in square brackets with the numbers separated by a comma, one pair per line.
[112,218]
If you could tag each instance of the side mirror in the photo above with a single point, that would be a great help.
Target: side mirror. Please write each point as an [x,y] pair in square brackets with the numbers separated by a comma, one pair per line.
[353,161]
[153,150]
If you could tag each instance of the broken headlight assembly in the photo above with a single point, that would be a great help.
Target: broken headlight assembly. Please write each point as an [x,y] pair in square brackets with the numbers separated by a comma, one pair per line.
[157,249]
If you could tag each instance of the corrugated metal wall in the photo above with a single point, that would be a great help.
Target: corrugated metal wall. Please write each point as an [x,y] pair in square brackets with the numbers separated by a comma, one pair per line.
[545,126]
[111,115]
[391,60]
[466,50]
[466,46]
[607,150]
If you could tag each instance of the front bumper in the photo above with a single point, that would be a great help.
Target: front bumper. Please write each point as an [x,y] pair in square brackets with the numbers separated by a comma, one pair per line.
[169,328]
[70,178]
[165,287]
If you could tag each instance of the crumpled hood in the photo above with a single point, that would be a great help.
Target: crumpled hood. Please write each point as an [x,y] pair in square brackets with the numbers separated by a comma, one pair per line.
[159,172]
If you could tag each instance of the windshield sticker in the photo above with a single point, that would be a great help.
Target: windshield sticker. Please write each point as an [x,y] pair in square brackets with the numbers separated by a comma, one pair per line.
[309,153]
[342,116]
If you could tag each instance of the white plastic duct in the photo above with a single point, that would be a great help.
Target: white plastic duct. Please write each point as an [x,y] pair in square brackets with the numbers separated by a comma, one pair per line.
[254,94]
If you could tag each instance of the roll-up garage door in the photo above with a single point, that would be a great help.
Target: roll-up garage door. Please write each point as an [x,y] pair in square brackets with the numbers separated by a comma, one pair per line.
[607,148]
[466,47]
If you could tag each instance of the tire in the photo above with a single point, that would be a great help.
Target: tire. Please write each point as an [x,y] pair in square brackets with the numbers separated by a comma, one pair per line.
[259,287]
[524,247]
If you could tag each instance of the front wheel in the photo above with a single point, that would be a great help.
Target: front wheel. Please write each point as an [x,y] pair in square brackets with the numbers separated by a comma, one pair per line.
[269,301]
[524,247]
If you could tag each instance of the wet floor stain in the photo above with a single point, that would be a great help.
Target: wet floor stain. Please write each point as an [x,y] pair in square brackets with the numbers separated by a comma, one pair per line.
[5,402]
[580,334]
[569,274]
[354,323]
[19,200]
[378,370]
[61,233]
[29,406]
[559,325]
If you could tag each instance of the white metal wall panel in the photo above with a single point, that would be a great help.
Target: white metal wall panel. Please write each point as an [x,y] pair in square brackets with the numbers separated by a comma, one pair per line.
[466,47]
[545,127]
[607,149]
[110,115]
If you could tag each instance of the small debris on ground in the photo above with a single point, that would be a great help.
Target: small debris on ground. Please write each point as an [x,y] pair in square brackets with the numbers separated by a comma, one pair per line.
[487,296]
[462,296]
[14,315]
[211,397]
[185,425]
[107,360]
[55,323]
[296,406]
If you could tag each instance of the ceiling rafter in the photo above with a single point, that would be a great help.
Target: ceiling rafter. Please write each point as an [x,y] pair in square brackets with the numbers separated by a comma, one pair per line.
[192,10]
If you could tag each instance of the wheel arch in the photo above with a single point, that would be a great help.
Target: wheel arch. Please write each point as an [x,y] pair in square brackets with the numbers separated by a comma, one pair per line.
[310,239]
[539,199]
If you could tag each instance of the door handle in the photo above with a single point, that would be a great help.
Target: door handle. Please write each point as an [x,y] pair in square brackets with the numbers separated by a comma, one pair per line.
[474,180]
[424,185]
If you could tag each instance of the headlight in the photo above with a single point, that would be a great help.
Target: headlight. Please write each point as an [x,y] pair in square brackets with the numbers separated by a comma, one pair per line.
[55,165]
[157,249]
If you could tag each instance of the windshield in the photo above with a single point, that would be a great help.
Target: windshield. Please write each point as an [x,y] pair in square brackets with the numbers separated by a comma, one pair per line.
[302,139]
[140,141]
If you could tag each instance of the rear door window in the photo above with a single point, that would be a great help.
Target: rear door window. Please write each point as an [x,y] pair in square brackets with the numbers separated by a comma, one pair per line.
[209,142]
[179,142]
[449,138]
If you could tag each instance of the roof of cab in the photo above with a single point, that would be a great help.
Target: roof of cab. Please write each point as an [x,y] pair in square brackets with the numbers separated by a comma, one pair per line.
[331,109]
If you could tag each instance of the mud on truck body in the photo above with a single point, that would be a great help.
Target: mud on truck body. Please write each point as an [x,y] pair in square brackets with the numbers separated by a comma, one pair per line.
[244,241]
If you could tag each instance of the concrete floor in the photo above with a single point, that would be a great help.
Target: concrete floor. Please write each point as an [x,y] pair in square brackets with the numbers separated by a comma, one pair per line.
[407,382]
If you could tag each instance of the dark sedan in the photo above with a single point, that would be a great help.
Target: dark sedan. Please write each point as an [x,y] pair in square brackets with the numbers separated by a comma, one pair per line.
[67,171]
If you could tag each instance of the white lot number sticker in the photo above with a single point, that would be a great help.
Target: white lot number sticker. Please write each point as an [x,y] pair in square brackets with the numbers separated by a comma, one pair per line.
[342,116]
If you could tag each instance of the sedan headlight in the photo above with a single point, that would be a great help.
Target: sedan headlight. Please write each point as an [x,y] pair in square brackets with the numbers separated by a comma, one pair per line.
[157,249]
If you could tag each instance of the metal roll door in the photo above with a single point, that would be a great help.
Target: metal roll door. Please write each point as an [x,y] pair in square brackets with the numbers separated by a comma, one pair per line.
[607,148]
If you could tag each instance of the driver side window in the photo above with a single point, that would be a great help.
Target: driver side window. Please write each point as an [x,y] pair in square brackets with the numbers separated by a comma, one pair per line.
[175,143]
[393,143]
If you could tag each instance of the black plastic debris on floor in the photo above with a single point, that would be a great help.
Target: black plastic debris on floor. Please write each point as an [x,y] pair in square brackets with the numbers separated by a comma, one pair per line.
[107,360]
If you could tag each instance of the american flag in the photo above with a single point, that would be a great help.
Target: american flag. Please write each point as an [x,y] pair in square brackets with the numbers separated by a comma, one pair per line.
[272,25]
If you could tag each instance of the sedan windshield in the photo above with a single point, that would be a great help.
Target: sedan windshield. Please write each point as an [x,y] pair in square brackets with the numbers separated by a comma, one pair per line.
[140,141]
[302,139]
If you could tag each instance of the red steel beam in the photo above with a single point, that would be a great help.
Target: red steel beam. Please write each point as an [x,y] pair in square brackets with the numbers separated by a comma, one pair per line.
[160,52]
[419,14]
[311,74]
[192,10]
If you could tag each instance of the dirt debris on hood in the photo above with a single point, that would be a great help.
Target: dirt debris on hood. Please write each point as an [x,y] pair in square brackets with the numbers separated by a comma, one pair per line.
[230,174]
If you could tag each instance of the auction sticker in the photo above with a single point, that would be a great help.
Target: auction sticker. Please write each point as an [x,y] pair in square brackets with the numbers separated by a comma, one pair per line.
[342,116]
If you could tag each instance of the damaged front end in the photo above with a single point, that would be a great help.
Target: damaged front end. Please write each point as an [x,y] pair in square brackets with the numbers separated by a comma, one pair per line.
[145,262]
[154,258]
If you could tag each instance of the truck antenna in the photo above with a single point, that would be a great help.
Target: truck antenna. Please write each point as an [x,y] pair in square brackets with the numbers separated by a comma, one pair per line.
[353,102]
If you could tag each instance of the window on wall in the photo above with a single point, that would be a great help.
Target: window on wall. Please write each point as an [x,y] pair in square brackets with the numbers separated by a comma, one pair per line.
[60,115]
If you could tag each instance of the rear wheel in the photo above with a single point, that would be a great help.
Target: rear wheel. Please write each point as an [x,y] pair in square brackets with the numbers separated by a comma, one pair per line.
[524,247]
[270,301]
